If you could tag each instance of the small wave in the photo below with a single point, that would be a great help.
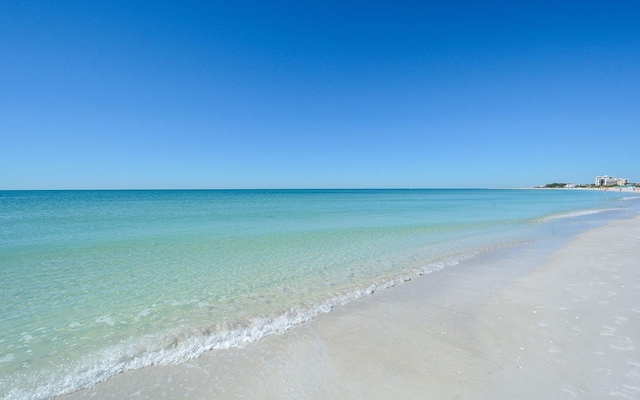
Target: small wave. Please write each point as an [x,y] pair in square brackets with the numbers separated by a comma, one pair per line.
[571,214]
[177,347]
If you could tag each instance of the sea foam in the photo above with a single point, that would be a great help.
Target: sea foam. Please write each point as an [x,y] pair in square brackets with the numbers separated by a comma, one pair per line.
[571,214]
[183,345]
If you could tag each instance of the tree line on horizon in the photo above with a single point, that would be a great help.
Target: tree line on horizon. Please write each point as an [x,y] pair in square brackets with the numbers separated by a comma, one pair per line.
[586,185]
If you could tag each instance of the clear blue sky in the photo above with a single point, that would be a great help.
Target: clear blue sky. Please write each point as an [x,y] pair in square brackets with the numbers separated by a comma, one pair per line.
[240,94]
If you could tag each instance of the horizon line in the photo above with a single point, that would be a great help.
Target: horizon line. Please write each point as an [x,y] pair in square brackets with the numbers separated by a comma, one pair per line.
[258,188]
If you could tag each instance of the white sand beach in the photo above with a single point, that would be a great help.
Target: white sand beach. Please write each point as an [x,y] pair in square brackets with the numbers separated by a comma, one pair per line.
[536,322]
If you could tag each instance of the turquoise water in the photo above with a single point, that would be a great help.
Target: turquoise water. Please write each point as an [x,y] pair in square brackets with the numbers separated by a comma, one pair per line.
[99,282]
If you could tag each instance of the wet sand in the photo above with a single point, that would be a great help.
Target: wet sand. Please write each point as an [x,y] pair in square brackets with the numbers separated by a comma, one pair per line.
[539,321]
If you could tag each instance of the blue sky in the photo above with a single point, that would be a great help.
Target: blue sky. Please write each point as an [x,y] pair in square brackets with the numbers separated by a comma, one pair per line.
[296,94]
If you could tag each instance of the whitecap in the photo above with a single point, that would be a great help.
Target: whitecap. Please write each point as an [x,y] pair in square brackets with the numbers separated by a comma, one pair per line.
[571,214]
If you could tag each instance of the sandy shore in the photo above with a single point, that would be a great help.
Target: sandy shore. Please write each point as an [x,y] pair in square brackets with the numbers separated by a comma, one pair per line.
[536,322]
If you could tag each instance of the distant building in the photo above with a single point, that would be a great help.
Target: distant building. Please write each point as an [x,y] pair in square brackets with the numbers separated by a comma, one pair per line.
[607,180]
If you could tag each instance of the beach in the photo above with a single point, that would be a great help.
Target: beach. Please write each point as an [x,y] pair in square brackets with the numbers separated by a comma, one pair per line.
[309,200]
[543,320]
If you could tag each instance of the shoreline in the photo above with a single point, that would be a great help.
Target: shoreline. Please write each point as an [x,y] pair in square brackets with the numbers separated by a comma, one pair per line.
[600,188]
[533,321]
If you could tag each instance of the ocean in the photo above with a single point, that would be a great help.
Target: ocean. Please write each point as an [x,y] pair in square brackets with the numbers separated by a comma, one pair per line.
[95,283]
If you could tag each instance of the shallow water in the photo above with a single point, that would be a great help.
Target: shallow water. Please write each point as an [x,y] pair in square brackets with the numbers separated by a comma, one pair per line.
[98,282]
